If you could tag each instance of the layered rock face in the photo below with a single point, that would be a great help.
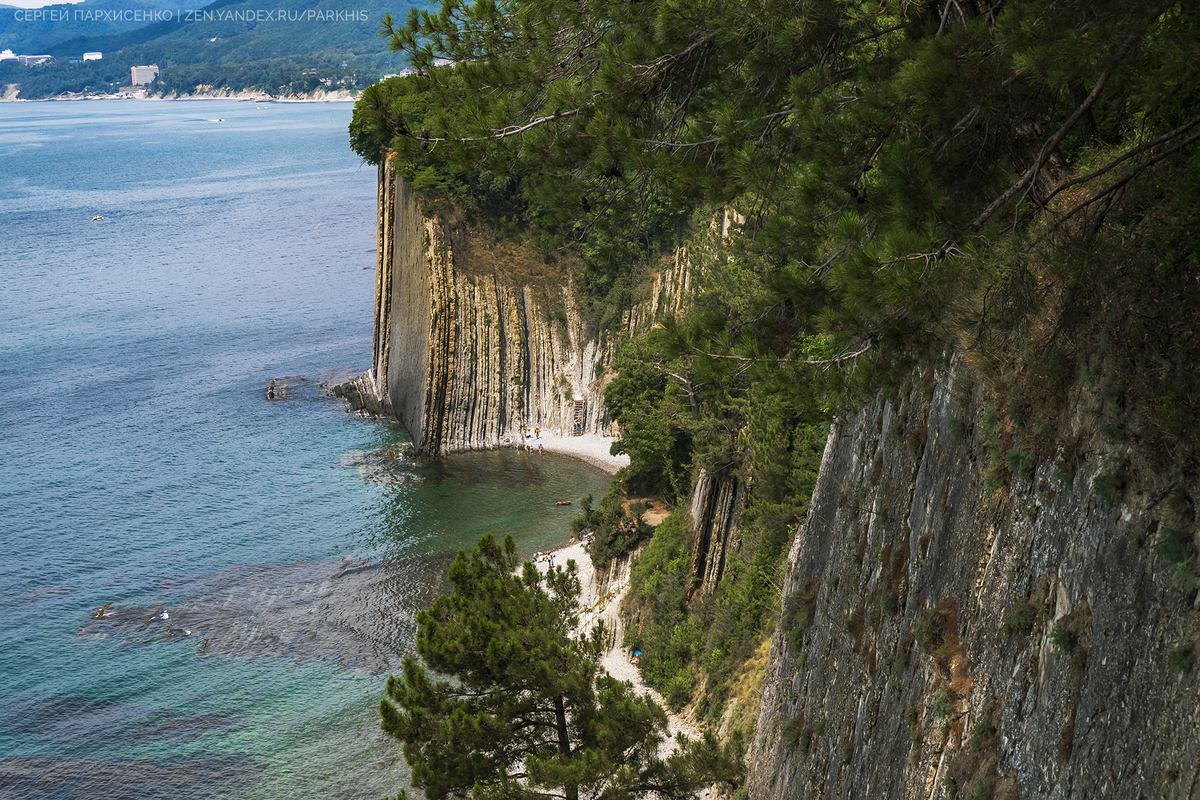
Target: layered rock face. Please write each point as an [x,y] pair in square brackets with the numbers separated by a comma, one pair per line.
[716,504]
[478,336]
[945,639]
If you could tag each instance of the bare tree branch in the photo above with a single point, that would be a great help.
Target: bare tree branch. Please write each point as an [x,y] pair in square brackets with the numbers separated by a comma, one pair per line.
[1054,141]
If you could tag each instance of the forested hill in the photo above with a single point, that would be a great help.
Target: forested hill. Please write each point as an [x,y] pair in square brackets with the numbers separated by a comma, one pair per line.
[38,31]
[226,45]
[1012,182]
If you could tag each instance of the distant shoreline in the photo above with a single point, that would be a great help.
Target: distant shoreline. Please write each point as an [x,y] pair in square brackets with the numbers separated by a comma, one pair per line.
[322,97]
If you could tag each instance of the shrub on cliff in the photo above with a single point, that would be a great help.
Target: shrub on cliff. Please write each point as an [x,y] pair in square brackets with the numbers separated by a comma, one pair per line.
[613,531]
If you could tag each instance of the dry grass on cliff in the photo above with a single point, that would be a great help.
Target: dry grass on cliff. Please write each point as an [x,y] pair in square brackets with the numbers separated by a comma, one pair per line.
[1105,301]
[481,250]
[746,692]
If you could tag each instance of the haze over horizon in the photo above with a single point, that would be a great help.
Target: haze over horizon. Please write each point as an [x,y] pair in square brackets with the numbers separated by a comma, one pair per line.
[37,3]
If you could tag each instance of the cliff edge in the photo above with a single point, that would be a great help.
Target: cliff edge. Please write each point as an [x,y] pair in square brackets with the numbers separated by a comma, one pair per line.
[476,336]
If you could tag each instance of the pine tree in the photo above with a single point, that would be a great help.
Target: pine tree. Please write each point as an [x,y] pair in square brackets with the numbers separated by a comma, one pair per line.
[508,704]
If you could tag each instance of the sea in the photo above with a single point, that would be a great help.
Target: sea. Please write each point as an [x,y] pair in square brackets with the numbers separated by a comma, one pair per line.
[203,590]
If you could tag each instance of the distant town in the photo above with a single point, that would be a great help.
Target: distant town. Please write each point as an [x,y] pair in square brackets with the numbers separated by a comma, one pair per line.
[29,61]
[142,75]
[68,78]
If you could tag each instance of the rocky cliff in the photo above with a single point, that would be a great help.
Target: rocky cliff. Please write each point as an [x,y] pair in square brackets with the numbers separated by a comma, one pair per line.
[946,638]
[715,505]
[477,335]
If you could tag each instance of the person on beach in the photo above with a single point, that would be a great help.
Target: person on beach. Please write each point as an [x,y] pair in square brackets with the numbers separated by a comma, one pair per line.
[540,451]
[537,432]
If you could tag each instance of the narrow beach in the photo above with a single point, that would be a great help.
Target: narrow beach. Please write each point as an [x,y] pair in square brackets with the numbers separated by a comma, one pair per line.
[595,606]
[590,447]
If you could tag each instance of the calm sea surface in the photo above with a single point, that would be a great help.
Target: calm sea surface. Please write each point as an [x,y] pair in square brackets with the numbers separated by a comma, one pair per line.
[201,591]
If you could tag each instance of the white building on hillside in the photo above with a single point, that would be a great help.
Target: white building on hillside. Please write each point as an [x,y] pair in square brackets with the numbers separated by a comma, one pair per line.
[93,56]
[143,76]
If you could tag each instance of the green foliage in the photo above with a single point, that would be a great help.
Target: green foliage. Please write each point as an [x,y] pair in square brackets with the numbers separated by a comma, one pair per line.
[888,602]
[1110,483]
[984,730]
[683,637]
[1020,462]
[941,705]
[520,695]
[680,410]
[1182,657]
[802,737]
[1175,547]
[929,630]
[1018,619]
[1064,475]
[983,790]
[663,629]
[650,407]
[799,611]
[1066,643]
[793,731]
[614,531]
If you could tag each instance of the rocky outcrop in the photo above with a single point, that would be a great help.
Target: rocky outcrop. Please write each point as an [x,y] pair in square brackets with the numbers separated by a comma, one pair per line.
[946,638]
[478,336]
[715,505]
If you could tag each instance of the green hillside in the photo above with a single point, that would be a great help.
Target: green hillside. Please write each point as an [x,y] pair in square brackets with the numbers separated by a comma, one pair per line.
[226,45]
[33,31]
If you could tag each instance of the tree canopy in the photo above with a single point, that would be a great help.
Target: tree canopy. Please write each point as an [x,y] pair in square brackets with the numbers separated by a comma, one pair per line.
[509,705]
[867,141]
[877,151]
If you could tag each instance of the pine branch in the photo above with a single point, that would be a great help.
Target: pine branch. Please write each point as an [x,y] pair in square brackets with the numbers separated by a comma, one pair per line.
[503,133]
[871,341]
[1121,184]
[1054,141]
[947,249]
[1166,137]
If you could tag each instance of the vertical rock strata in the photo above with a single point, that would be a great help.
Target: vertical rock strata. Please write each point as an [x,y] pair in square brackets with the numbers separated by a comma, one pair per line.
[715,505]
[477,336]
[972,641]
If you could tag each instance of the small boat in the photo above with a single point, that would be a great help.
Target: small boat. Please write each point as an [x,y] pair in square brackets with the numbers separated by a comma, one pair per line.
[96,217]
[563,503]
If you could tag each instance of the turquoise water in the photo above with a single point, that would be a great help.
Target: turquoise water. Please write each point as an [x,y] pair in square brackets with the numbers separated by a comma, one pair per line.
[253,567]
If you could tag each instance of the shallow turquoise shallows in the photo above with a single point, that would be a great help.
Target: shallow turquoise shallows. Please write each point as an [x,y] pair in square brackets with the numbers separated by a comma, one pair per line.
[202,590]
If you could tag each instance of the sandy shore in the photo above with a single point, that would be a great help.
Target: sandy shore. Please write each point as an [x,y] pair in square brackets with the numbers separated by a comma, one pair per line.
[589,447]
[596,607]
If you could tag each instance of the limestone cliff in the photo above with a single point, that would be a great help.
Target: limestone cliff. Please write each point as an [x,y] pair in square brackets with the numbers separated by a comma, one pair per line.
[477,336]
[941,638]
[715,505]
